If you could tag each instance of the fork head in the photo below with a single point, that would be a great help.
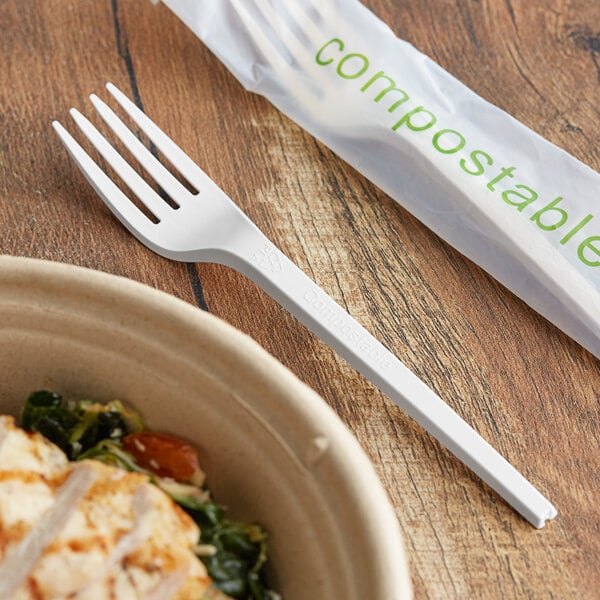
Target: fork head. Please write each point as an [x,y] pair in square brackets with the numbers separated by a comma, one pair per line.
[193,224]
[290,37]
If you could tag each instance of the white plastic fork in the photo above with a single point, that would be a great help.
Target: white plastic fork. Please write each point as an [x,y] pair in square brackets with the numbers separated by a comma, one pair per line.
[208,227]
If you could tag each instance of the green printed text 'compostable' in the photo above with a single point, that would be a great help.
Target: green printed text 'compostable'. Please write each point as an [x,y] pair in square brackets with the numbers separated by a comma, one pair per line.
[548,216]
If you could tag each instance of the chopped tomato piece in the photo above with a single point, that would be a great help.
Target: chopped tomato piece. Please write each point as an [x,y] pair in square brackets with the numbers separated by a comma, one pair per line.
[165,455]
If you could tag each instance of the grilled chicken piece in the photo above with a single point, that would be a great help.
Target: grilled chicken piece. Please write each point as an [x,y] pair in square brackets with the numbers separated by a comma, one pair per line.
[88,531]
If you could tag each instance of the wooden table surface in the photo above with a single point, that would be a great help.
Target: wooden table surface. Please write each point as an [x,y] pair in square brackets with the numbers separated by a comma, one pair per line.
[525,386]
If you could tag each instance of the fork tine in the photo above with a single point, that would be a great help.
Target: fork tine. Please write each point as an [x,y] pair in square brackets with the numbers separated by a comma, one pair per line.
[119,204]
[284,34]
[269,50]
[307,25]
[161,175]
[300,18]
[324,10]
[157,206]
[177,157]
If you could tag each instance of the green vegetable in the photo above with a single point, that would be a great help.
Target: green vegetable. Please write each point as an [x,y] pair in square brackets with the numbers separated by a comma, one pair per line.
[111,453]
[76,427]
[45,413]
[237,565]
[185,494]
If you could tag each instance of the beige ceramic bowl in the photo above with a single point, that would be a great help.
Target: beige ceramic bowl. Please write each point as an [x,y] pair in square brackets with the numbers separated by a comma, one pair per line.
[274,451]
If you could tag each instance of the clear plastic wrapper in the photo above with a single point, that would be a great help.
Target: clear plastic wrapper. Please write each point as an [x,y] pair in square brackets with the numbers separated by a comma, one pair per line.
[518,206]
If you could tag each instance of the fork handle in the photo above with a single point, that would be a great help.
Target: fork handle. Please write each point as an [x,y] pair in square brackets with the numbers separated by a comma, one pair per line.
[269,268]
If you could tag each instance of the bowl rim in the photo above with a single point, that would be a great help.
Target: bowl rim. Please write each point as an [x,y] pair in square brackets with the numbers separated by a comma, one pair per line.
[380,527]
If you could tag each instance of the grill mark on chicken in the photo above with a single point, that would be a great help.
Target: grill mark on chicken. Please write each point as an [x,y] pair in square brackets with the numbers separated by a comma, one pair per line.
[12,534]
[30,477]
[34,590]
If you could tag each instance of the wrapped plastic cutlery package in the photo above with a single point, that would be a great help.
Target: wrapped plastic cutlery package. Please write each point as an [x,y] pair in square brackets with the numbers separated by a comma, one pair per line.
[518,206]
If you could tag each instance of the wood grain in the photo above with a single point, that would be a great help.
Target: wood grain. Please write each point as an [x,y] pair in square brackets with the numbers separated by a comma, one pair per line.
[525,386]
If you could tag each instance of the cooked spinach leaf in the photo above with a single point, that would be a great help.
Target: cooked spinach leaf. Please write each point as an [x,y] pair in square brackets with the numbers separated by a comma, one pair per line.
[234,567]
[75,427]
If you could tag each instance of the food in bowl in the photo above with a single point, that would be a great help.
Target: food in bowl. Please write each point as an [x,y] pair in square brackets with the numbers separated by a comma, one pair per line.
[272,449]
[92,505]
